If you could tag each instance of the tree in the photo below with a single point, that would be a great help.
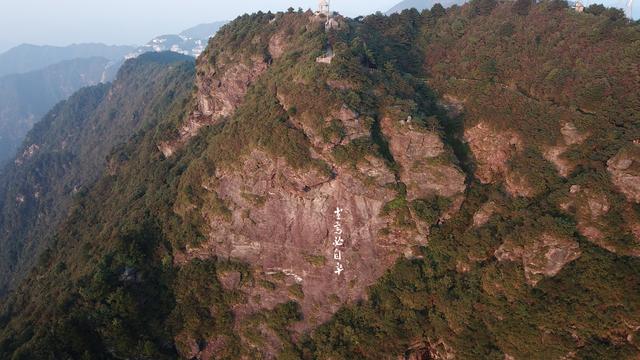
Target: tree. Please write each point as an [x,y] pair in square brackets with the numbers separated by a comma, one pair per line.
[482,7]
[522,7]
[438,11]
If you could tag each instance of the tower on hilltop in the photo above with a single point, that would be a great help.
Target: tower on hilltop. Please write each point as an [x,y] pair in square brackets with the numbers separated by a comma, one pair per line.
[323,8]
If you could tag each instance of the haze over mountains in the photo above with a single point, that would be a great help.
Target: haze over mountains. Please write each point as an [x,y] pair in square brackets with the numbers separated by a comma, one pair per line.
[25,98]
[45,75]
[25,58]
[203,31]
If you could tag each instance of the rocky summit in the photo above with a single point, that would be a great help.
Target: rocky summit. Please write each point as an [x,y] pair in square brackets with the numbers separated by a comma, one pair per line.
[447,184]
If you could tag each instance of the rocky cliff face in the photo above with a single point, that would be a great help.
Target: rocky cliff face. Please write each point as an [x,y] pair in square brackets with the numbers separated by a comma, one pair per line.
[623,169]
[413,186]
[492,150]
[276,214]
[426,166]
[219,95]
[274,211]
[570,136]
[282,222]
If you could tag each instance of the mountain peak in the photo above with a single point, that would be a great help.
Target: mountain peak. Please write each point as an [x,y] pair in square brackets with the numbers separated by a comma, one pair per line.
[437,184]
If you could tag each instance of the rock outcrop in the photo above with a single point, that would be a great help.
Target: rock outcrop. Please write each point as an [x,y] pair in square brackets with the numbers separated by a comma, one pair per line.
[492,150]
[541,257]
[429,350]
[590,208]
[426,167]
[570,136]
[281,220]
[624,169]
[485,212]
[221,89]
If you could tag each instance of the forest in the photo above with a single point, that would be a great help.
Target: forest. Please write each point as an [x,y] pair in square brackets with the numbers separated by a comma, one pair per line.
[109,282]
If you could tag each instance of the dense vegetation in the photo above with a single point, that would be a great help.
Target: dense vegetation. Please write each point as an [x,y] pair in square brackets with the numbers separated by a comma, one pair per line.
[25,98]
[66,151]
[107,286]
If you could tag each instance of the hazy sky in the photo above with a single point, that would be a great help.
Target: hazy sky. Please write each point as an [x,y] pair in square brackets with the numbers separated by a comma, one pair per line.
[62,22]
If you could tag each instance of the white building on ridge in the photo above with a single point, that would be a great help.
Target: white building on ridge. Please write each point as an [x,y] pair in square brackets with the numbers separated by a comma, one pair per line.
[323,8]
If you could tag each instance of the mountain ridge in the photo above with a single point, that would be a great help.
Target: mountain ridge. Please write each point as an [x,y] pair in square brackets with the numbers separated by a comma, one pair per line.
[487,203]
[25,98]
[24,58]
[18,113]
[72,153]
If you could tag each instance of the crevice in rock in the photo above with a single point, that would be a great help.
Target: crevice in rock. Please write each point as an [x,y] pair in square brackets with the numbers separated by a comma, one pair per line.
[453,137]
[378,138]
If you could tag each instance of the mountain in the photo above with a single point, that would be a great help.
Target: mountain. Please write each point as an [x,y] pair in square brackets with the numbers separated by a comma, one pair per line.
[25,58]
[5,45]
[203,31]
[25,98]
[421,5]
[190,42]
[176,43]
[65,152]
[443,184]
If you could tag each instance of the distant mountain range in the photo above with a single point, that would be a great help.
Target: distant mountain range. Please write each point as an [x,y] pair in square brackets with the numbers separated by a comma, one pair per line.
[6,45]
[34,78]
[191,42]
[78,134]
[203,31]
[25,58]
[25,98]
[422,5]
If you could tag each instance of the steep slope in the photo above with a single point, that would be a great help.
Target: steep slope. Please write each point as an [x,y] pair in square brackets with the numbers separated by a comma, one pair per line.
[25,98]
[26,58]
[396,187]
[541,261]
[66,151]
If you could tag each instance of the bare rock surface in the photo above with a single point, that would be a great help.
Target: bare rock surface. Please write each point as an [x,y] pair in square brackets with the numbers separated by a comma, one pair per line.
[425,350]
[426,168]
[483,215]
[492,150]
[281,220]
[542,257]
[570,136]
[590,208]
[277,45]
[219,95]
[624,169]
[554,155]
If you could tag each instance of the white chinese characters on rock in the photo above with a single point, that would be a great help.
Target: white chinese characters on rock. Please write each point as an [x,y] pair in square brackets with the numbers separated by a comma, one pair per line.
[338,241]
